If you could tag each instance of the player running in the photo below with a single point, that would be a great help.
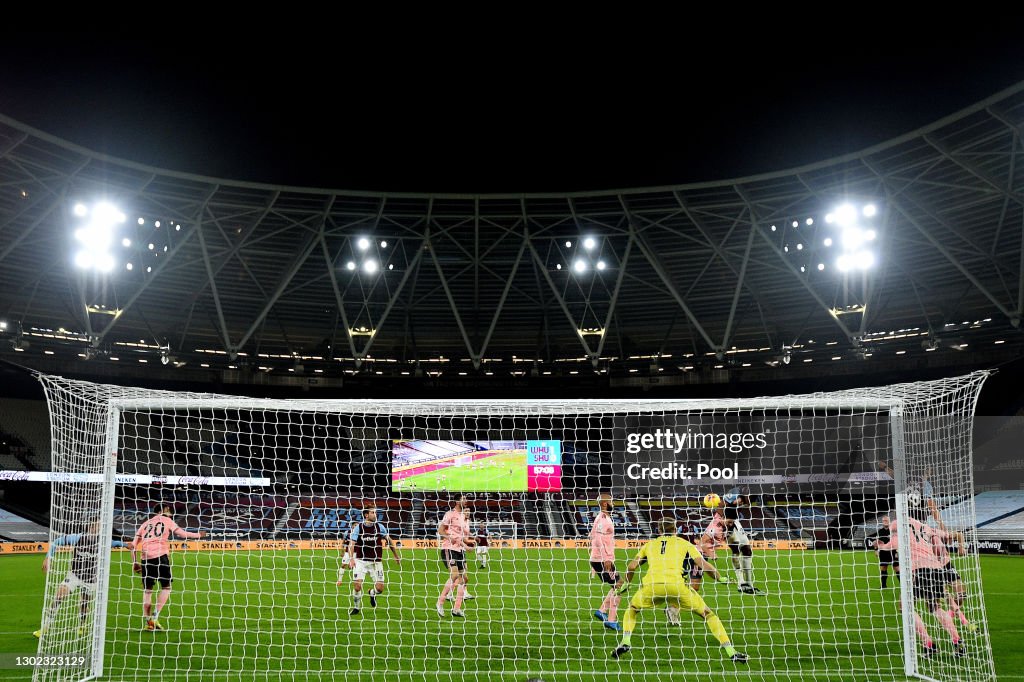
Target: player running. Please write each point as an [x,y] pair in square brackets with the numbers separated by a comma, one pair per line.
[365,548]
[927,571]
[664,583]
[455,538]
[602,561]
[151,542]
[85,556]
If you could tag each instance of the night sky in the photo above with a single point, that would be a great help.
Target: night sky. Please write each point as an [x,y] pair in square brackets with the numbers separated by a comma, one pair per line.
[554,112]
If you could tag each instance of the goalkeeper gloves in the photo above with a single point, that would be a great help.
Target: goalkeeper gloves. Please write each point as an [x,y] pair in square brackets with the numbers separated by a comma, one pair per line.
[722,579]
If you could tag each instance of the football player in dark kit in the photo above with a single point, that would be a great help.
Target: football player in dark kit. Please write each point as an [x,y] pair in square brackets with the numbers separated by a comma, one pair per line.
[366,549]
[482,545]
[82,576]
[887,554]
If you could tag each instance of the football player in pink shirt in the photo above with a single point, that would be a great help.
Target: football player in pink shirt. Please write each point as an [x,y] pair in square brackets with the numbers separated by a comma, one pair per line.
[602,561]
[927,571]
[151,542]
[455,539]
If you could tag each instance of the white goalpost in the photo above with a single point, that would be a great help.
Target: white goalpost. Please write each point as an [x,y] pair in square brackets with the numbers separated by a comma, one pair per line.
[280,489]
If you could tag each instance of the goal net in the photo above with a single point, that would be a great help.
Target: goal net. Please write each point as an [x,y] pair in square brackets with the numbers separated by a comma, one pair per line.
[786,498]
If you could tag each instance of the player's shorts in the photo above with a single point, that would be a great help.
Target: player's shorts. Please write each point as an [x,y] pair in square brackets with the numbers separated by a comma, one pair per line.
[611,577]
[374,568]
[679,594]
[72,582]
[949,574]
[451,557]
[929,584]
[154,570]
[888,557]
[481,549]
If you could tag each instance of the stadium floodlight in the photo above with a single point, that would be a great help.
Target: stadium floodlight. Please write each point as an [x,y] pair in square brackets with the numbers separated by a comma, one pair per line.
[863,260]
[3,325]
[809,222]
[821,266]
[152,246]
[845,215]
[126,242]
[363,243]
[774,228]
[370,266]
[869,211]
[558,266]
[128,266]
[391,266]
[799,247]
[383,244]
[589,243]
[852,238]
[142,221]
[828,241]
[350,265]
[568,244]
[105,262]
[796,223]
[844,262]
[81,210]
[156,224]
[84,259]
[580,266]
[870,235]
[601,265]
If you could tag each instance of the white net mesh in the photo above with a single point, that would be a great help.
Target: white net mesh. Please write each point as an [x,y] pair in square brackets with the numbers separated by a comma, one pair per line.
[279,486]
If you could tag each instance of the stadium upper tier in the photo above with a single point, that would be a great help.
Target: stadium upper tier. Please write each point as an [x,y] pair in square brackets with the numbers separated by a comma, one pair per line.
[911,249]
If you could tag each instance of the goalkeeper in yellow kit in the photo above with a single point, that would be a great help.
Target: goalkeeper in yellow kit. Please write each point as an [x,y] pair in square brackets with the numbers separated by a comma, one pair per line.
[665,584]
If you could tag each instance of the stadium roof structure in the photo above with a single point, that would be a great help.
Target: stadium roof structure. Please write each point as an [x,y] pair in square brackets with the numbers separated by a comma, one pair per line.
[726,275]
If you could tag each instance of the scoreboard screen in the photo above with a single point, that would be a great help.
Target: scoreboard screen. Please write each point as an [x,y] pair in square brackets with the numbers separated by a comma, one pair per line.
[476,466]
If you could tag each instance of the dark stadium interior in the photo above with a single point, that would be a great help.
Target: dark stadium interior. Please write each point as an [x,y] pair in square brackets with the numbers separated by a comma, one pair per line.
[411,299]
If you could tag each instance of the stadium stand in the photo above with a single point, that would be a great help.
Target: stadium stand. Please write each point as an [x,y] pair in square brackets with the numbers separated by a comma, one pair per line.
[26,425]
[19,529]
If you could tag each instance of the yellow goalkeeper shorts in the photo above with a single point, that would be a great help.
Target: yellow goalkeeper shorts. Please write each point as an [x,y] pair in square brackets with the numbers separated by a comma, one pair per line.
[677,594]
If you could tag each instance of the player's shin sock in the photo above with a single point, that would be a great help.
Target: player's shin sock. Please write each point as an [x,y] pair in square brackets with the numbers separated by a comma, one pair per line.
[445,591]
[605,602]
[460,595]
[628,625]
[718,630]
[748,570]
[161,601]
[885,578]
[147,603]
[738,569]
[945,619]
[922,630]
[613,607]
[357,597]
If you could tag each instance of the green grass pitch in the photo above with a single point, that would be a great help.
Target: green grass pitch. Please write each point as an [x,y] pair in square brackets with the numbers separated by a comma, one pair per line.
[279,616]
[463,478]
